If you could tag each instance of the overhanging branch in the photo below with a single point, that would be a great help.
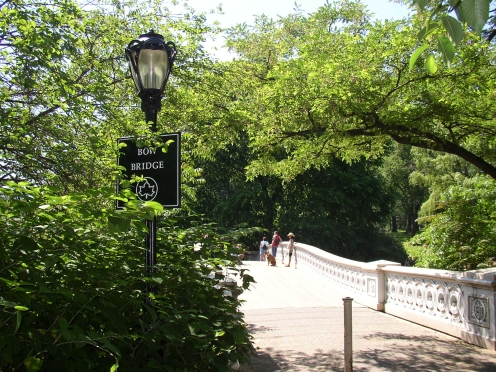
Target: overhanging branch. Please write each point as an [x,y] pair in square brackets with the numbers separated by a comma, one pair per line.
[426,140]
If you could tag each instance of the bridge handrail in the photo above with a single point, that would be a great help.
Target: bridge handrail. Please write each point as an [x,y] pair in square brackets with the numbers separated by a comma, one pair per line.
[458,303]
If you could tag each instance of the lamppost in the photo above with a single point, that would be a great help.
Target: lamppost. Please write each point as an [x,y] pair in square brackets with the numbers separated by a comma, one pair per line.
[150,61]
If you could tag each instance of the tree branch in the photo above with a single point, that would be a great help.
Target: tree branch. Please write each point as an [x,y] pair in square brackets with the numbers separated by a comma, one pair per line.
[417,138]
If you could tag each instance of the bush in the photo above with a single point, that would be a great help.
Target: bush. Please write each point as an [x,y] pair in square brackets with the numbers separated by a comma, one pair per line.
[462,234]
[72,289]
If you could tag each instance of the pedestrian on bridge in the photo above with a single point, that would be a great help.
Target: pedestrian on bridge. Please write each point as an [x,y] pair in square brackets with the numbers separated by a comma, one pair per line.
[276,239]
[291,247]
[264,244]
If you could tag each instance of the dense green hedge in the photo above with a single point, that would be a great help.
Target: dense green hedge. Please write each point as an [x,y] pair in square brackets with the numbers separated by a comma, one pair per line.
[72,289]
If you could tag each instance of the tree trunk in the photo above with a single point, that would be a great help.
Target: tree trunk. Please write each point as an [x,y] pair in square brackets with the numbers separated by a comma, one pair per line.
[408,226]
[412,226]
[394,225]
[415,224]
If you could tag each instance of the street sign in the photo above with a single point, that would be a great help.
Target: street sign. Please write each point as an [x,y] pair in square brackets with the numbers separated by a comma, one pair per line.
[161,170]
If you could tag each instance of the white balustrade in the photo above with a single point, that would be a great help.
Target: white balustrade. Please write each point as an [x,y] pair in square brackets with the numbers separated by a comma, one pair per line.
[457,303]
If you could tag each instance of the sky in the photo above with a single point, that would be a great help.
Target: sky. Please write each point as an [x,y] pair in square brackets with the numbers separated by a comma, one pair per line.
[239,11]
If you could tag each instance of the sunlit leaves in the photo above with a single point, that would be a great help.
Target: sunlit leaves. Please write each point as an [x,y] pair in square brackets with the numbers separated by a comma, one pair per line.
[474,13]
[416,54]
[422,3]
[427,30]
[33,364]
[65,91]
[345,94]
[459,233]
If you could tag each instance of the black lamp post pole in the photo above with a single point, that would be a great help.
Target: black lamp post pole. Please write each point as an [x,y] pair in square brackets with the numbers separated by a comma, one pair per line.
[151,105]
[150,61]
[151,108]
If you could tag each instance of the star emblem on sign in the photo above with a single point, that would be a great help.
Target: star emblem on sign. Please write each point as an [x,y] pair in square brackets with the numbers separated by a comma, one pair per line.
[147,190]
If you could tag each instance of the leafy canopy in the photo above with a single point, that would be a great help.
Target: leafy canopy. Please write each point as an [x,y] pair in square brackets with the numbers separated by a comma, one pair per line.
[333,84]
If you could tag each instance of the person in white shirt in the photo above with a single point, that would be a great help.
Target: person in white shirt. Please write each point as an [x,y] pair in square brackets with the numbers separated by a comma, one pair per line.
[264,244]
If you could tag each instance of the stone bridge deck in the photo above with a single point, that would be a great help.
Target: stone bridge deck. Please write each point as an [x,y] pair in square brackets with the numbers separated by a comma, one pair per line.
[296,320]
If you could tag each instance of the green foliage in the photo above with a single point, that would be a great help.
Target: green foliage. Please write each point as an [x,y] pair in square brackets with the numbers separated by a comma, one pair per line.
[341,209]
[437,172]
[72,288]
[471,13]
[56,68]
[397,168]
[461,234]
[65,90]
[71,272]
[319,206]
[227,197]
[401,236]
[333,84]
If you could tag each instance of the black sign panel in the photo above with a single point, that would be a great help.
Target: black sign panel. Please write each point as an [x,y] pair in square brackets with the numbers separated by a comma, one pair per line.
[161,170]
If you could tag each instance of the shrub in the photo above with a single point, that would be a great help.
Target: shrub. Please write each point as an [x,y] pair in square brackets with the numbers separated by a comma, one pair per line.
[462,234]
[72,289]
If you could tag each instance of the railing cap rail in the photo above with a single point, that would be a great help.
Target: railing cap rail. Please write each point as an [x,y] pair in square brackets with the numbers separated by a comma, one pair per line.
[369,266]
[486,277]
[379,264]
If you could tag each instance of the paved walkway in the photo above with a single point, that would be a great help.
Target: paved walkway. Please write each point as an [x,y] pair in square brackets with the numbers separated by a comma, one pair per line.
[296,320]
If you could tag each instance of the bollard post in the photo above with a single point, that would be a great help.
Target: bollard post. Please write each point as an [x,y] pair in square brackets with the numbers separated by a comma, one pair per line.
[348,335]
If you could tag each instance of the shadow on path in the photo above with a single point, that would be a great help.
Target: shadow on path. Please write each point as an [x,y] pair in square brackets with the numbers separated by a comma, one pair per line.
[296,321]
[396,353]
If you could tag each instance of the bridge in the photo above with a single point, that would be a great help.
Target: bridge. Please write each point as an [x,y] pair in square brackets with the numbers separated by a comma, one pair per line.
[403,318]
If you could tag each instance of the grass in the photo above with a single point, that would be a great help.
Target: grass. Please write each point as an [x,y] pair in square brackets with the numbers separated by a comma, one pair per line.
[403,238]
[400,236]
[413,250]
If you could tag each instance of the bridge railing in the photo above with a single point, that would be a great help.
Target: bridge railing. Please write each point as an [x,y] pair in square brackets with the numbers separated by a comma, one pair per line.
[457,303]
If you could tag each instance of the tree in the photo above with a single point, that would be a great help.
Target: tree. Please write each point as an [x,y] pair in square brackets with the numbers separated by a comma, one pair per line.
[66,94]
[454,223]
[397,168]
[71,270]
[58,72]
[341,209]
[334,85]
[227,198]
[438,173]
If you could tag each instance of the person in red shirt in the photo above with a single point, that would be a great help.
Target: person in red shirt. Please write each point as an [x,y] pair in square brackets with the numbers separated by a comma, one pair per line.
[276,239]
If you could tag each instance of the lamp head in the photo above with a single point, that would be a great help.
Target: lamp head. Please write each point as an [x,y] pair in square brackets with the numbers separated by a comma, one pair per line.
[150,61]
